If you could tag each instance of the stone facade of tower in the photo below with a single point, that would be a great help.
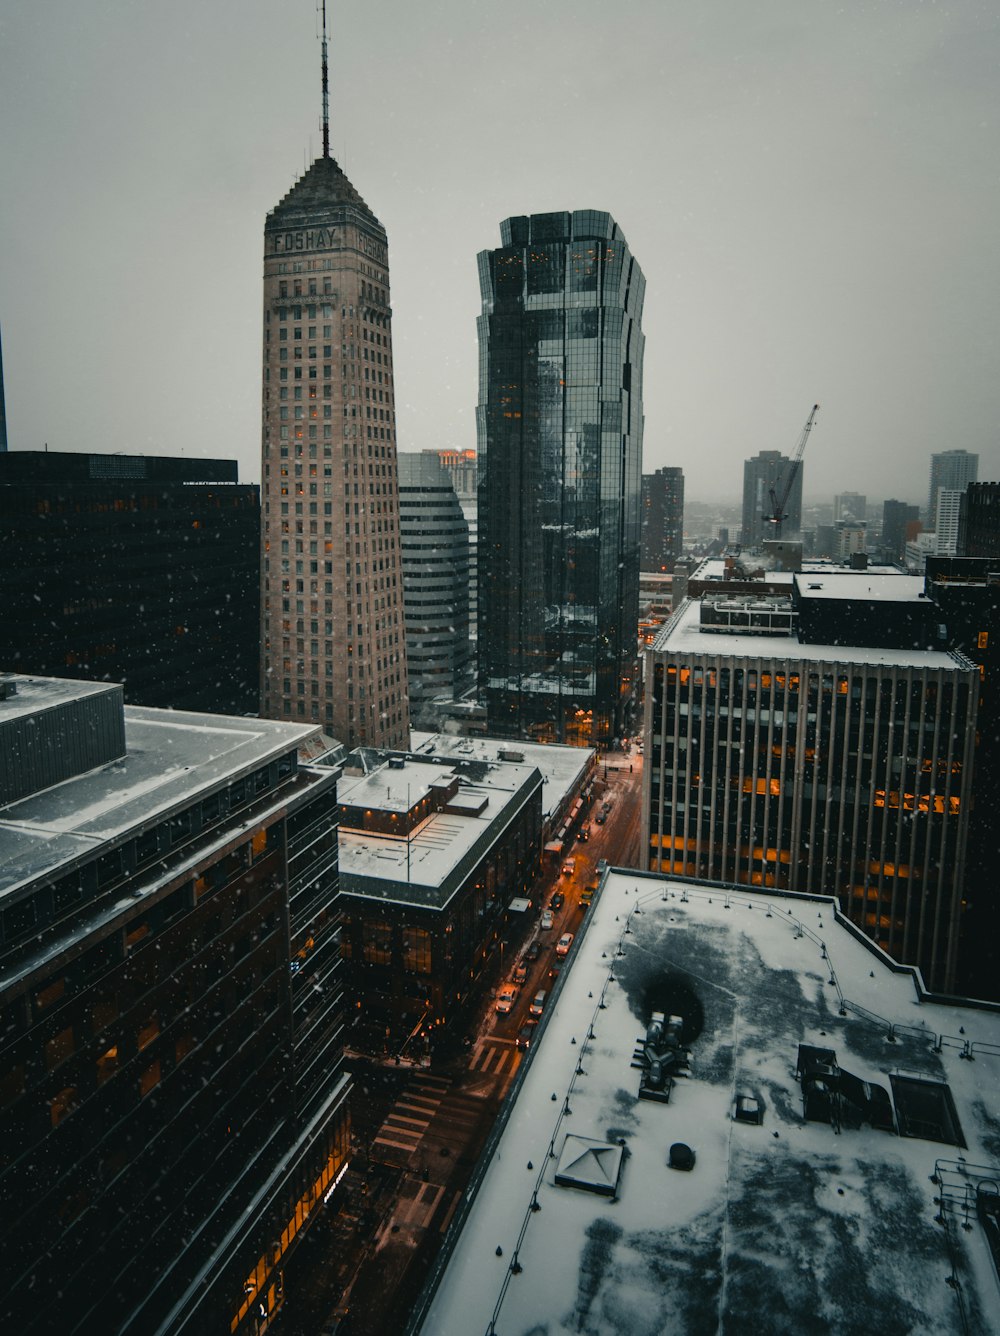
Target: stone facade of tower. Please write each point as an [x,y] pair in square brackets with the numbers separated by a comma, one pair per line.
[333,648]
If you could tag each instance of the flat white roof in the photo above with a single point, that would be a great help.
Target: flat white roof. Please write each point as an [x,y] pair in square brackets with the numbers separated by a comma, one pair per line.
[419,865]
[172,755]
[834,1232]
[863,586]
[562,768]
[683,634]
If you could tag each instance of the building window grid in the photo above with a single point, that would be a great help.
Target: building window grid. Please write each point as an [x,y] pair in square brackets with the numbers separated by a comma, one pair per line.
[855,711]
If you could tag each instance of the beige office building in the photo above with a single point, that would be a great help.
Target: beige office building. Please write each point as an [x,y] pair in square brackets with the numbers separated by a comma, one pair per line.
[332,637]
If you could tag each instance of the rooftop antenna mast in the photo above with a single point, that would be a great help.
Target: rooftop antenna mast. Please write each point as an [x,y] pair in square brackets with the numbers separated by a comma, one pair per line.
[326,91]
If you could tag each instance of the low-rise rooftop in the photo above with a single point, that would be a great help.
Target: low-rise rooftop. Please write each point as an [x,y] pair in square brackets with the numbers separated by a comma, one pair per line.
[426,866]
[810,1163]
[562,768]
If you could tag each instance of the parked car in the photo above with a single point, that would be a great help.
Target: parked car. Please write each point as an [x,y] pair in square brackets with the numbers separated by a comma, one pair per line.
[533,951]
[547,919]
[557,901]
[564,943]
[520,972]
[584,833]
[555,969]
[525,1033]
[538,1004]
[505,999]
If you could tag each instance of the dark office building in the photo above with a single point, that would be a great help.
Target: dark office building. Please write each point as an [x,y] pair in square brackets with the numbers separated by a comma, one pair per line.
[964,598]
[560,454]
[173,1108]
[437,857]
[132,569]
[897,519]
[789,745]
[766,475]
[662,518]
[979,521]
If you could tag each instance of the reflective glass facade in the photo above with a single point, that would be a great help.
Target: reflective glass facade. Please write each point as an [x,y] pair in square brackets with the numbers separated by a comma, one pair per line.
[560,451]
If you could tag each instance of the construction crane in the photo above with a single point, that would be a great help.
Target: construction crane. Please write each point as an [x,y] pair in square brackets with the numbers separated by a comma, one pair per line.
[775,517]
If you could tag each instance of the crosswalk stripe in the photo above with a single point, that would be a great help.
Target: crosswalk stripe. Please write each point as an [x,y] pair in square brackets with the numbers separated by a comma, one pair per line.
[397,1118]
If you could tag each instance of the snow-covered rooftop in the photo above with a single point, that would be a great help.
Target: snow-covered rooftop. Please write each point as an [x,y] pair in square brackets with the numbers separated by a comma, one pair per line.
[863,586]
[562,768]
[790,1225]
[683,634]
[427,866]
[172,755]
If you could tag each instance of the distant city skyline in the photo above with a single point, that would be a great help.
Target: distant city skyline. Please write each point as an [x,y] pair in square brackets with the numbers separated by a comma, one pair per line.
[812,192]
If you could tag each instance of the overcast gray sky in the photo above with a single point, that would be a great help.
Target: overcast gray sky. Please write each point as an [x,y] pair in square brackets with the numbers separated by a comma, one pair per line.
[810,188]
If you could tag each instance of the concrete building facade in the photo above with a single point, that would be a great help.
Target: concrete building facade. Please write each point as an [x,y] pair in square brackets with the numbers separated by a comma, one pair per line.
[952,470]
[434,538]
[836,764]
[333,643]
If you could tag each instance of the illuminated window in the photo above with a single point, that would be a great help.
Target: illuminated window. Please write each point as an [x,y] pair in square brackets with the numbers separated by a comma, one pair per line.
[107,1064]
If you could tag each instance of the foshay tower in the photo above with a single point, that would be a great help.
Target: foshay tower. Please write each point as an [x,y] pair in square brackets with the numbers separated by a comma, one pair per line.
[333,648]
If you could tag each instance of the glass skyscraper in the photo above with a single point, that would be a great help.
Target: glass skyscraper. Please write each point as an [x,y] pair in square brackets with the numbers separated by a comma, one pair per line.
[559,427]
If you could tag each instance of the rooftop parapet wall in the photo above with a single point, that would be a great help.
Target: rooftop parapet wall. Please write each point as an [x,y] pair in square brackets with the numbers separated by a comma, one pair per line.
[52,730]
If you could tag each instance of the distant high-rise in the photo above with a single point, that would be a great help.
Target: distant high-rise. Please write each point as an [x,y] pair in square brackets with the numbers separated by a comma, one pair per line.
[560,456]
[952,470]
[947,510]
[434,537]
[897,516]
[332,637]
[462,467]
[662,518]
[851,506]
[136,569]
[765,473]
[979,525]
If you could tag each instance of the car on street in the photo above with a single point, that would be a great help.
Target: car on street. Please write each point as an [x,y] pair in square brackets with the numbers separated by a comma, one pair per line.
[555,969]
[547,920]
[601,818]
[564,943]
[557,901]
[520,972]
[569,867]
[505,999]
[525,1033]
[533,951]
[538,1003]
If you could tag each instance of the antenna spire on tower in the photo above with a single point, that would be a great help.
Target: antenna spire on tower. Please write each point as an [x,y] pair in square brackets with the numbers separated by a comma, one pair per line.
[326,92]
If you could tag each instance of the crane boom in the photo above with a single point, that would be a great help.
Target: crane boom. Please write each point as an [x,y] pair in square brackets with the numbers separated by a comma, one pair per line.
[776,517]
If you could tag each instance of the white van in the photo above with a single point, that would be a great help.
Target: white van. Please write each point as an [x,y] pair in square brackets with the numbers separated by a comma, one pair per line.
[538,1005]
